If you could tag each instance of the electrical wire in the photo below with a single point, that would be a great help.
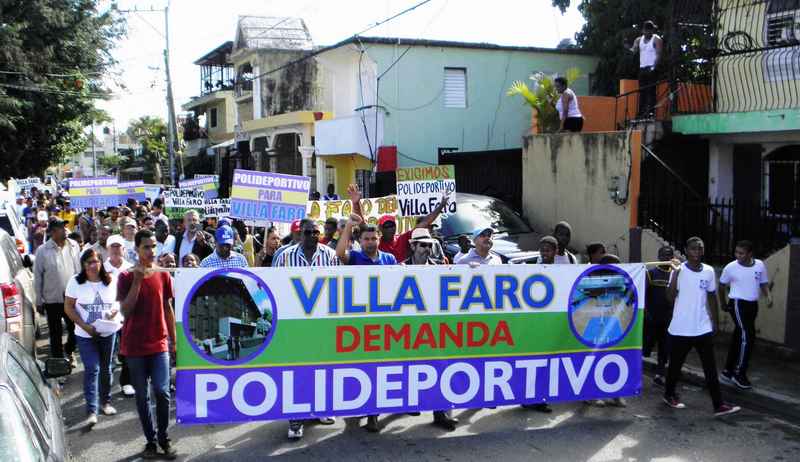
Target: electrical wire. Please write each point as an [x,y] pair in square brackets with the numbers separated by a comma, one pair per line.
[414,159]
[55,91]
[415,108]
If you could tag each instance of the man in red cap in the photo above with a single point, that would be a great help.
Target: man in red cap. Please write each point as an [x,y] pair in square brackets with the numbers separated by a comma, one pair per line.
[294,239]
[390,242]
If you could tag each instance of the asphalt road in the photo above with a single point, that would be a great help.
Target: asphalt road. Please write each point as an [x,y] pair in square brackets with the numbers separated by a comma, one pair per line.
[645,430]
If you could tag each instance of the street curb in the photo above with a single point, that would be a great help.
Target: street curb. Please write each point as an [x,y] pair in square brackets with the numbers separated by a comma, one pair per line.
[756,399]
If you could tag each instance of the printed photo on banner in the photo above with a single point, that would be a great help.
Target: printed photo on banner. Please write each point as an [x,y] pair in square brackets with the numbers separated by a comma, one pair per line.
[372,209]
[419,189]
[208,184]
[178,201]
[397,339]
[131,190]
[94,192]
[217,208]
[230,317]
[269,196]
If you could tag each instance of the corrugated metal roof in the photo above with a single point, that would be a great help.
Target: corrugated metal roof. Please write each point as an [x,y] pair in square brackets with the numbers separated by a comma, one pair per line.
[276,33]
[452,44]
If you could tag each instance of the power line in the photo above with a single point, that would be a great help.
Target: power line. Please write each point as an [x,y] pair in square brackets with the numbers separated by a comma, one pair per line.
[414,159]
[55,91]
[336,45]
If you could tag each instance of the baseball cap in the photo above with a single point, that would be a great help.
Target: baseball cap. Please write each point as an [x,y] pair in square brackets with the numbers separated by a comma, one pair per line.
[115,239]
[385,219]
[41,216]
[421,235]
[225,221]
[224,235]
[55,223]
[128,221]
[477,232]
[295,226]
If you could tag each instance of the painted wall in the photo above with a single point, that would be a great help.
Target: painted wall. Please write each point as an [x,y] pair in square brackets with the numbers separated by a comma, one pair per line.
[568,177]
[412,93]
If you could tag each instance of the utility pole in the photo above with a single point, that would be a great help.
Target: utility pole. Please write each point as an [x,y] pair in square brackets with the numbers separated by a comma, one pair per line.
[94,154]
[171,125]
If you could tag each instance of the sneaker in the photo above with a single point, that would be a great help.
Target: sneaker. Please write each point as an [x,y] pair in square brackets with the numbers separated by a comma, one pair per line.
[618,402]
[150,451]
[170,453]
[726,377]
[539,407]
[742,382]
[295,431]
[108,409]
[91,420]
[725,409]
[327,420]
[674,402]
[659,380]
[414,414]
[128,390]
[442,420]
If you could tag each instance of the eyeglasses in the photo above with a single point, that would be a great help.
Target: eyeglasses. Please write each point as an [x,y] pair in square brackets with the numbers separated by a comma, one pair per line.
[311,232]
[425,245]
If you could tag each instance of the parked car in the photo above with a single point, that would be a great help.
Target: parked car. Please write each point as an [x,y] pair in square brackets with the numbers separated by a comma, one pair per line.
[17,296]
[10,222]
[31,425]
[514,240]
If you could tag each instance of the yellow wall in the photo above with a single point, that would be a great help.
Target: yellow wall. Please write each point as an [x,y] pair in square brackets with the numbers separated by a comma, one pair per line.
[346,166]
[568,178]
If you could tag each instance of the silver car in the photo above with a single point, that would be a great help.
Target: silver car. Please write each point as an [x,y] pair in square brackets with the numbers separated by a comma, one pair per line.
[17,296]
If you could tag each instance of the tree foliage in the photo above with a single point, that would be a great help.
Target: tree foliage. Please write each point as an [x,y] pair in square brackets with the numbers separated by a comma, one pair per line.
[151,134]
[611,26]
[53,54]
[543,98]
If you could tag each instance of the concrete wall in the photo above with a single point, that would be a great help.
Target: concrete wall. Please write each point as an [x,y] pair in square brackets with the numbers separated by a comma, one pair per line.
[412,93]
[568,176]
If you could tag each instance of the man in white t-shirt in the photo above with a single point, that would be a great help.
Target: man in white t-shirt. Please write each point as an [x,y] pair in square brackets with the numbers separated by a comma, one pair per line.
[692,289]
[745,277]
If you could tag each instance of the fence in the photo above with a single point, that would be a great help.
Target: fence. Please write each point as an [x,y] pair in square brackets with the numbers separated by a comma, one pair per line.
[720,223]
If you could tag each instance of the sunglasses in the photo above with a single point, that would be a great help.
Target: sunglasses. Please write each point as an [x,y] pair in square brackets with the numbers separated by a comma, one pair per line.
[425,245]
[311,232]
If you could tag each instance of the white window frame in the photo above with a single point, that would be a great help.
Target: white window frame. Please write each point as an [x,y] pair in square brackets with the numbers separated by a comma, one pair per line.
[445,102]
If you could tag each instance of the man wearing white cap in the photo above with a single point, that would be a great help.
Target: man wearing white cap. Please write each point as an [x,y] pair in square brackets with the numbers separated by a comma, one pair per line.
[421,244]
[482,253]
[129,228]
[116,262]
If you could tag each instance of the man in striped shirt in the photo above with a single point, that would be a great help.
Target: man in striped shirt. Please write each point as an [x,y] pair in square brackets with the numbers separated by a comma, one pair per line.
[223,256]
[309,252]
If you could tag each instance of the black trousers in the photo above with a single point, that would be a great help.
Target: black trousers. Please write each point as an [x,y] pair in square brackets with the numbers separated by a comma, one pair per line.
[679,348]
[744,315]
[55,314]
[647,93]
[656,335]
[573,124]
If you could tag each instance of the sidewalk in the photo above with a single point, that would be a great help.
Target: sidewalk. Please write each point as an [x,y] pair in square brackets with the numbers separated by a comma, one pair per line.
[774,373]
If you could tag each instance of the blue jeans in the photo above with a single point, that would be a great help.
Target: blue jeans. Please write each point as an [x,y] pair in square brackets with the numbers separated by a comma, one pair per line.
[96,357]
[156,369]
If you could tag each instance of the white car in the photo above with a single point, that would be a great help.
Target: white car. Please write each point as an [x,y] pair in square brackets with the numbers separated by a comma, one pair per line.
[10,222]
[17,294]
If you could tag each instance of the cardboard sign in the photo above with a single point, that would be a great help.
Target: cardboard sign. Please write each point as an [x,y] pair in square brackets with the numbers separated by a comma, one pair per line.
[94,192]
[178,201]
[208,184]
[217,208]
[269,196]
[372,209]
[420,189]
[304,343]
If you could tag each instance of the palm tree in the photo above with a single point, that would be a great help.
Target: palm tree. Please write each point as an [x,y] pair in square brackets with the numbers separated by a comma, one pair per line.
[542,99]
[151,134]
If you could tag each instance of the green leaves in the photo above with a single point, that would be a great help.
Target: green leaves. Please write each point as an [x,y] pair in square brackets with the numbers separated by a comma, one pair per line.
[542,99]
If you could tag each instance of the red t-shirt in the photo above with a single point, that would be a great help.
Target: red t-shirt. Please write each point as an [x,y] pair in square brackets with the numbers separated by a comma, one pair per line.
[145,331]
[398,247]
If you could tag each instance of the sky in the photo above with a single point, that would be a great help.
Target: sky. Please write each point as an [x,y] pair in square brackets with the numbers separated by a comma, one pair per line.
[198,26]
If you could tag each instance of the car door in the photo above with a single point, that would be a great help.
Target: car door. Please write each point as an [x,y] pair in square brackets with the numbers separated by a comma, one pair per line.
[23,278]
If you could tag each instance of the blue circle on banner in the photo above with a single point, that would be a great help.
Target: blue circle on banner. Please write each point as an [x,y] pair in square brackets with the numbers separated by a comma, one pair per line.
[602,306]
[245,320]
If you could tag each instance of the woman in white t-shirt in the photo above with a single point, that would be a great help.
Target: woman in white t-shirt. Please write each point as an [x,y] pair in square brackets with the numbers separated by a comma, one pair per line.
[90,301]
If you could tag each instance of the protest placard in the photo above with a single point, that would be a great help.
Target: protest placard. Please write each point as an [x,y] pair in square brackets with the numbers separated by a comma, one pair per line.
[420,189]
[152,191]
[178,200]
[131,190]
[351,341]
[26,184]
[208,184]
[93,192]
[372,209]
[269,196]
[217,208]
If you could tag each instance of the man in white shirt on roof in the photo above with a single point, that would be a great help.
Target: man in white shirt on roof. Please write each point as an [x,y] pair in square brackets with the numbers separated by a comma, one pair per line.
[649,46]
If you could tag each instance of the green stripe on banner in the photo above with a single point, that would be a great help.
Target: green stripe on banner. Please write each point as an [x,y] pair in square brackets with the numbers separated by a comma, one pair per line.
[314,341]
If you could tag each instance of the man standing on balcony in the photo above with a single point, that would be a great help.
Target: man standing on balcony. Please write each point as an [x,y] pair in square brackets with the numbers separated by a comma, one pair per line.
[745,277]
[649,46]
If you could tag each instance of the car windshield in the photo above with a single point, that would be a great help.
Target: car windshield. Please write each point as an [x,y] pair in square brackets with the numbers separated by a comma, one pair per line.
[490,213]
[16,444]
